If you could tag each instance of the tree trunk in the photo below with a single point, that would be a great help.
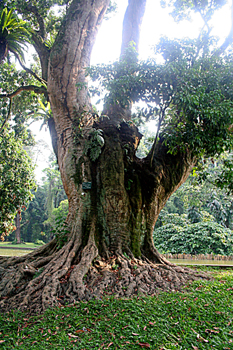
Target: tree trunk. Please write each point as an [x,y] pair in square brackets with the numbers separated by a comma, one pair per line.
[114,198]
[17,231]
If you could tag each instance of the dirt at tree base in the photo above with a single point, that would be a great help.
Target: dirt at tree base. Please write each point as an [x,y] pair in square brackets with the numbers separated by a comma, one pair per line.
[119,276]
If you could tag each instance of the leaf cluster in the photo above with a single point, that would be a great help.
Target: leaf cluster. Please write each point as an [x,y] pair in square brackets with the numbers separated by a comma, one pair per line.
[94,144]
[13,32]
[16,179]
[183,9]
[199,238]
[191,93]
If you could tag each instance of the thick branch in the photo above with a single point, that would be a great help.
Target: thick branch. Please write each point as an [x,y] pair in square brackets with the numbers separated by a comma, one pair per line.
[36,89]
[132,23]
[43,53]
[28,8]
[42,81]
[38,37]
[172,169]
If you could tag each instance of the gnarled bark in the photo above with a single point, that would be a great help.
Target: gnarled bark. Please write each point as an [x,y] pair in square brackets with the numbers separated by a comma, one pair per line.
[106,245]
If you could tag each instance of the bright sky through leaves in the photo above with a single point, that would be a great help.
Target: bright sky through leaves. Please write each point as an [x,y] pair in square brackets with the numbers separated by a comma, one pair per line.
[156,23]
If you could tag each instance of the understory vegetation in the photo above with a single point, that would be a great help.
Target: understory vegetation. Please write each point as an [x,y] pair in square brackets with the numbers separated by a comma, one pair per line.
[198,218]
[179,236]
[199,317]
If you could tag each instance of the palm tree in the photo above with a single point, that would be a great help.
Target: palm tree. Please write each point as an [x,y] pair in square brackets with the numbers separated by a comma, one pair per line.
[13,35]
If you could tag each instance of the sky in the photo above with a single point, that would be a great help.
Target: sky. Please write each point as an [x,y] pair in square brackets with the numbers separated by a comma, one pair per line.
[156,23]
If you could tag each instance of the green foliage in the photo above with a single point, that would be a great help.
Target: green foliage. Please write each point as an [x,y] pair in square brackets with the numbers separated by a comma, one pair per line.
[13,34]
[183,9]
[61,232]
[174,219]
[56,223]
[16,179]
[199,238]
[200,199]
[38,221]
[94,144]
[225,178]
[190,93]
[218,171]
[34,12]
[23,104]
[193,215]
[32,228]
[38,273]
[58,215]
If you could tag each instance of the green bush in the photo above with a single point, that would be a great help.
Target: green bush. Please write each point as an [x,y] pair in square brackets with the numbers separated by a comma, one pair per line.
[200,238]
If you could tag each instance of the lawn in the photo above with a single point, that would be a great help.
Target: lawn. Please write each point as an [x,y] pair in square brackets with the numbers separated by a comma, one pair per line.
[201,317]
[22,245]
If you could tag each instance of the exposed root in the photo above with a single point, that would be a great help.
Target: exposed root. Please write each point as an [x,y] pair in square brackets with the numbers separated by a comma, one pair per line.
[72,274]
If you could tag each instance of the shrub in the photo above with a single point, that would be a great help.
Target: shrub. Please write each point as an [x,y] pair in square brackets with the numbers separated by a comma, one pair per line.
[199,238]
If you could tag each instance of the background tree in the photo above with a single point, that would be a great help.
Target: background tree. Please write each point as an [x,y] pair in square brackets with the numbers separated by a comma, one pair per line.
[41,216]
[199,238]
[16,173]
[114,197]
[202,194]
[16,179]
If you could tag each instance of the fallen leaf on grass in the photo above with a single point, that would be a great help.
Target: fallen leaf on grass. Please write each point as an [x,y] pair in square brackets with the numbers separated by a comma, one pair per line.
[72,335]
[144,345]
[200,337]
[2,341]
[194,347]
[135,334]
[211,331]
[109,344]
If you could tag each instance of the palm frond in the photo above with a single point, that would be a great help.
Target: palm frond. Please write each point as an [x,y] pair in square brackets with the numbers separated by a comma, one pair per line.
[13,33]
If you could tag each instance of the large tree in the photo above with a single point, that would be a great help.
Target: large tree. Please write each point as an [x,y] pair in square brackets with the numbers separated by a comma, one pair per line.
[114,197]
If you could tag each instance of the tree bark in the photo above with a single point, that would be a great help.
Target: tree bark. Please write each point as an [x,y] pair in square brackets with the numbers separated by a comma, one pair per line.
[132,23]
[114,197]
[17,231]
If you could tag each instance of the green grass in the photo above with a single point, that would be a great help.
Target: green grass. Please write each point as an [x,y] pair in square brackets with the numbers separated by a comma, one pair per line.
[23,245]
[201,317]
